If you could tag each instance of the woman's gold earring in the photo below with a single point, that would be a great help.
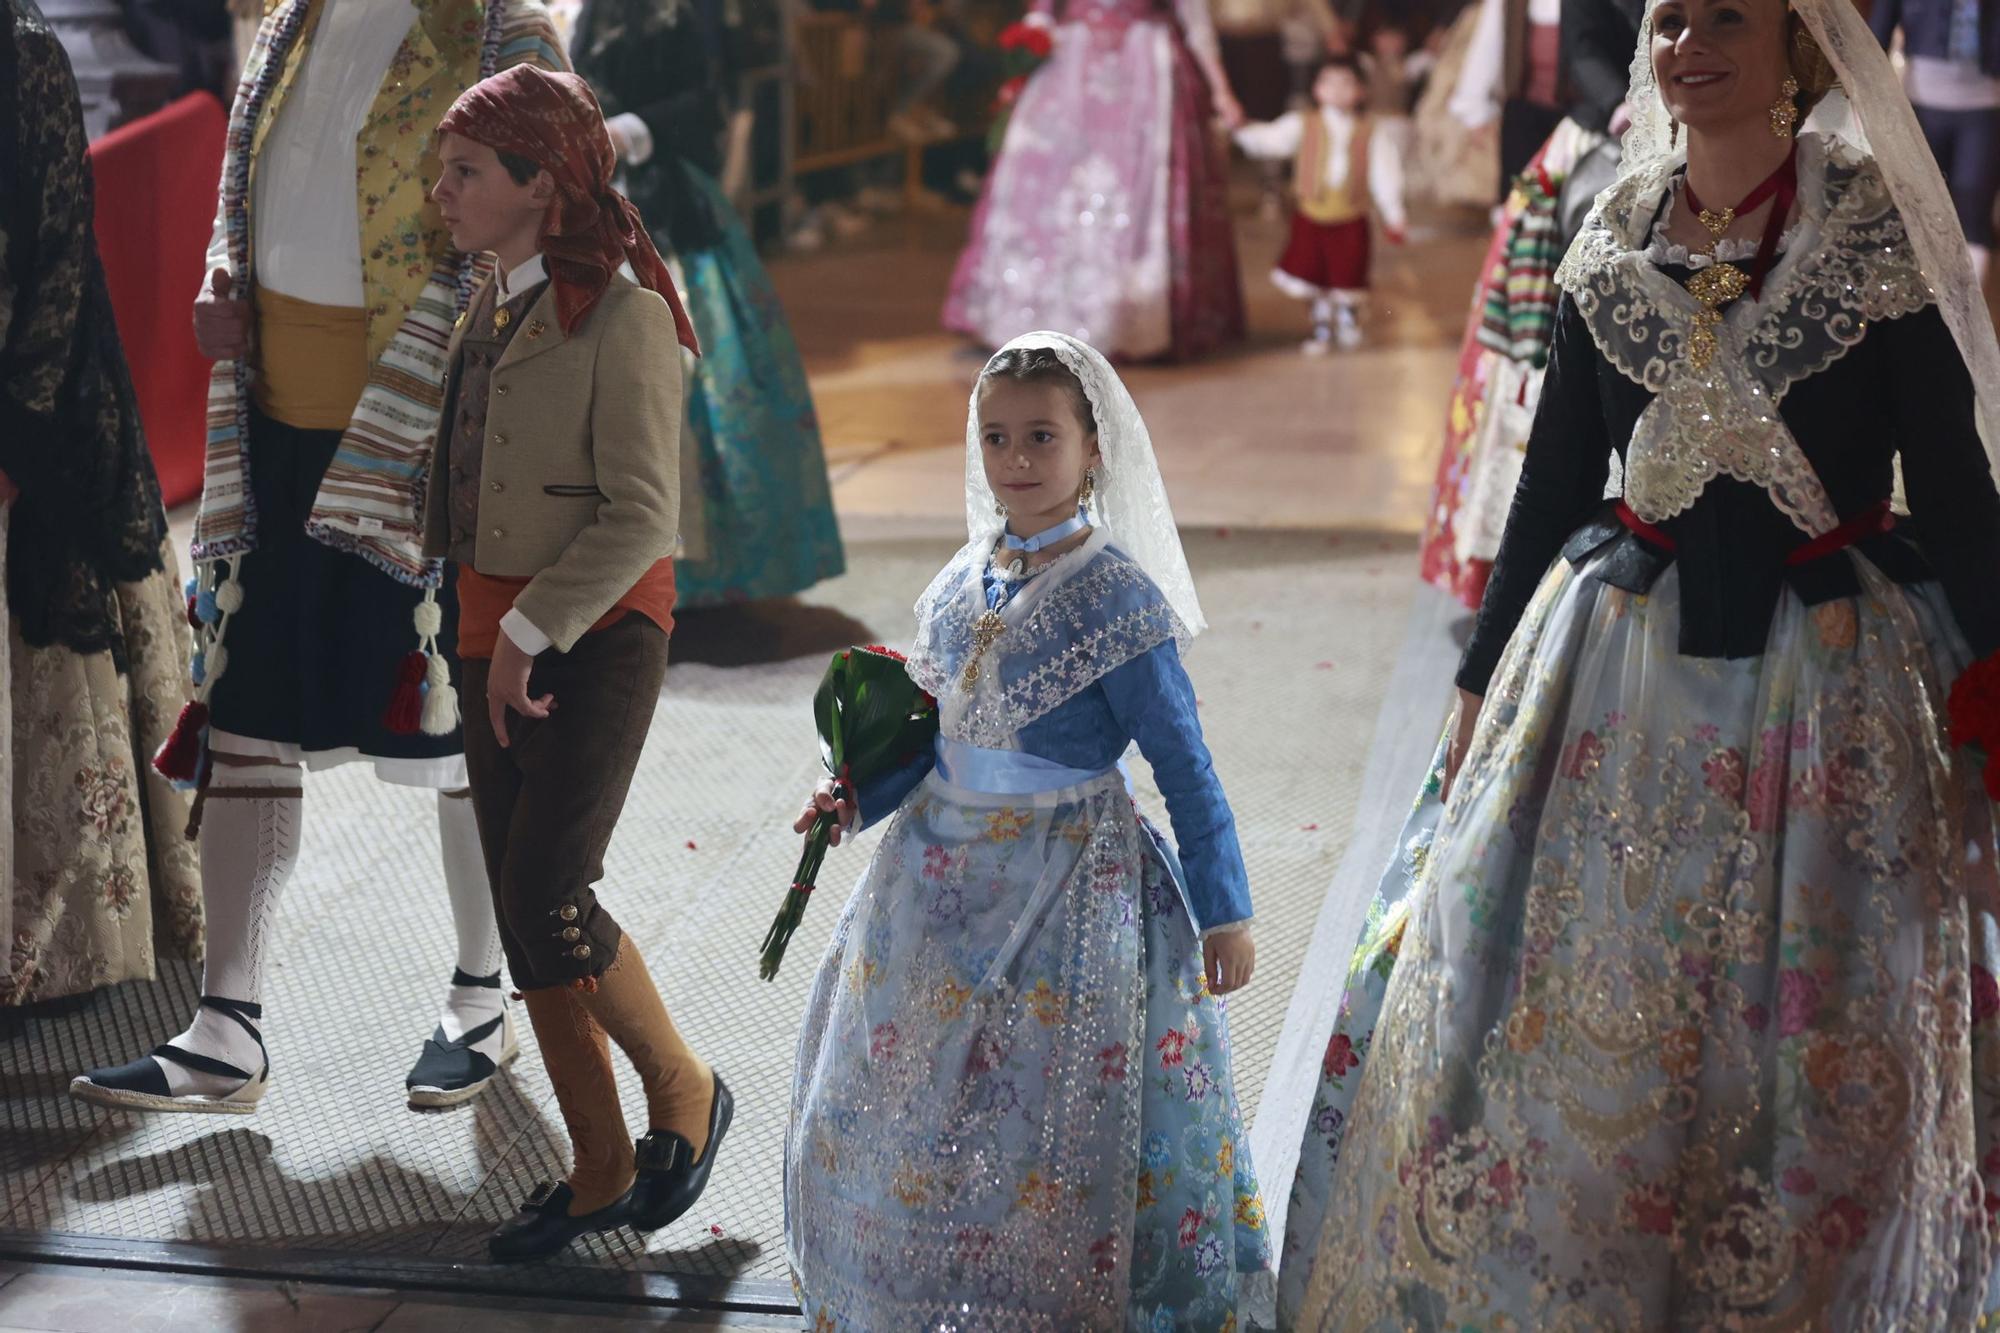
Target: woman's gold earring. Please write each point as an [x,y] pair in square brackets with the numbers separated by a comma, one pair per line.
[1000,509]
[1089,491]
[1785,111]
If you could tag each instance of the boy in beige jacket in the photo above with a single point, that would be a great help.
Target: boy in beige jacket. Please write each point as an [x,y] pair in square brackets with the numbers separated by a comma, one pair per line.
[555,490]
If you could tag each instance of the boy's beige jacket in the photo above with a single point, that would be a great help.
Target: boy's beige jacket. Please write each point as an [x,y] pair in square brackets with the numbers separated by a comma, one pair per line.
[579,490]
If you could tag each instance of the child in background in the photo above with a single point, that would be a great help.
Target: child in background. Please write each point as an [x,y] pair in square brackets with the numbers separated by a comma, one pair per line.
[1346,169]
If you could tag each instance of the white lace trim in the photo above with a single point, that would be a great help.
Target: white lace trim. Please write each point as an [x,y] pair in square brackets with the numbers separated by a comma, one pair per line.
[1869,114]
[1089,613]
[1850,264]
[1728,250]
[1131,501]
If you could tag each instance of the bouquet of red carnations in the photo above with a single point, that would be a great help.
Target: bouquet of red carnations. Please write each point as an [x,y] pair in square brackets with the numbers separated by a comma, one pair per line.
[1974,709]
[873,719]
[1023,48]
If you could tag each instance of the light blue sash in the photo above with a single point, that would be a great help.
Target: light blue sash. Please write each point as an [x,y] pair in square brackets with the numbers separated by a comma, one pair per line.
[1007,772]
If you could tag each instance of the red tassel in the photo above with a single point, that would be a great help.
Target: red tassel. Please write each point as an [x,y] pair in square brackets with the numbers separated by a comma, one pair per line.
[177,758]
[405,713]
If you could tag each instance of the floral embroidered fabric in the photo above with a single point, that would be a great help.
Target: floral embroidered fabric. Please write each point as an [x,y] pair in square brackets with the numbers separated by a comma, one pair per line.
[1687,1017]
[1013,1106]
[1106,212]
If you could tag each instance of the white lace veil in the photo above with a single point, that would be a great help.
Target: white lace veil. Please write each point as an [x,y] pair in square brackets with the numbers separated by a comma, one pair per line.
[1870,112]
[1131,501]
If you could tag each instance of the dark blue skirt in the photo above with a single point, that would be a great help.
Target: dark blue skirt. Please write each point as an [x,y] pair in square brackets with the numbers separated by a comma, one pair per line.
[314,652]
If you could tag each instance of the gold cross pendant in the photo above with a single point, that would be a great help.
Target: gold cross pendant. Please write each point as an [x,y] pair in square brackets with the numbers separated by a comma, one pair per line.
[986,631]
[1702,342]
[1715,286]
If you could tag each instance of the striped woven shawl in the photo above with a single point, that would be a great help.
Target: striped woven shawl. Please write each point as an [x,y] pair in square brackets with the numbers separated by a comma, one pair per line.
[369,502]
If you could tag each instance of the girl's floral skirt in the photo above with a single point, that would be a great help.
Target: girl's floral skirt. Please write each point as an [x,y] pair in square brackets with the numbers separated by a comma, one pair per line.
[1681,1013]
[1013,1106]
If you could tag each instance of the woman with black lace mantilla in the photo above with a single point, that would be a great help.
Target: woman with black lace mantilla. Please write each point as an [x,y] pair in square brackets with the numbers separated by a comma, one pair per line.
[96,656]
[1678,1008]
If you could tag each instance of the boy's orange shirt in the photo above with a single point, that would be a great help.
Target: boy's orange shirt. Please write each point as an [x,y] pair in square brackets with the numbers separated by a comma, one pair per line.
[484,598]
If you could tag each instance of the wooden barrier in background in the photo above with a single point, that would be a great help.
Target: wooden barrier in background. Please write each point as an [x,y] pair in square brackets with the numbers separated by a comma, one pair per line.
[842,90]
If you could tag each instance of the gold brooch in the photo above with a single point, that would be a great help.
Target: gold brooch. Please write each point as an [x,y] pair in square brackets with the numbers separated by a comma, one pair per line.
[502,318]
[986,632]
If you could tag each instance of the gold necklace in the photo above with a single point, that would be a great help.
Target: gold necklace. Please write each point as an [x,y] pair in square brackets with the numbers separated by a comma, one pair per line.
[1719,284]
[988,628]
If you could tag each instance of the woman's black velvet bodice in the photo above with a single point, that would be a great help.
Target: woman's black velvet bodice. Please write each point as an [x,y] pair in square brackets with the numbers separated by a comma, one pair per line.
[1903,389]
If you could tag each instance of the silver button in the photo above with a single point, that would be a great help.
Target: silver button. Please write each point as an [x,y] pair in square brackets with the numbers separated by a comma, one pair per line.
[568,912]
[580,951]
[572,934]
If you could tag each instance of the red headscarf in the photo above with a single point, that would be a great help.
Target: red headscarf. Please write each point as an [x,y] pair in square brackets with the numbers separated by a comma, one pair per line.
[554,121]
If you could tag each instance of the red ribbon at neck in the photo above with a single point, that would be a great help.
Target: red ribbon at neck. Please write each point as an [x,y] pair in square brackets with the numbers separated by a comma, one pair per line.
[1781,186]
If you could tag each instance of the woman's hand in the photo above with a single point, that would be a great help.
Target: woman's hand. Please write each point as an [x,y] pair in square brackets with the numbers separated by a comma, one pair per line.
[821,800]
[1464,720]
[221,319]
[1228,957]
[507,687]
[1228,109]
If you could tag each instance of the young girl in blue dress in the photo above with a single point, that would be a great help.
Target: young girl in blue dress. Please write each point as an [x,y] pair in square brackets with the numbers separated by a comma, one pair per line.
[1013,1103]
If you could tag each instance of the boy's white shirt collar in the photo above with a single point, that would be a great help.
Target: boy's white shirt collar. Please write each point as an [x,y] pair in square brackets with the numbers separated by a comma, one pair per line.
[522,276]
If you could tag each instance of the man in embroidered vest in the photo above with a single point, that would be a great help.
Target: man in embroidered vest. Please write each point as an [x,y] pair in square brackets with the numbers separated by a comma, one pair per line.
[1342,161]
[555,491]
[321,627]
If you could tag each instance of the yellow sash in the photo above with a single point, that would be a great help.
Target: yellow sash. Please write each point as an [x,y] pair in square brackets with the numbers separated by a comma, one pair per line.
[312,361]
